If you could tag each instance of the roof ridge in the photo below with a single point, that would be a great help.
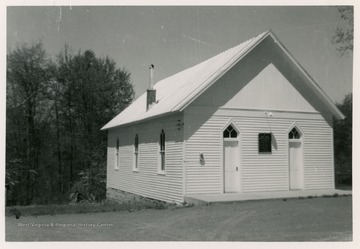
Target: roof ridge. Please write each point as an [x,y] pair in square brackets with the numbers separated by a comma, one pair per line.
[244,46]
[236,46]
[216,55]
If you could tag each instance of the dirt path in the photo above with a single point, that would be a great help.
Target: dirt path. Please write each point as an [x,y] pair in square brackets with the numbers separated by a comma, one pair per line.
[319,219]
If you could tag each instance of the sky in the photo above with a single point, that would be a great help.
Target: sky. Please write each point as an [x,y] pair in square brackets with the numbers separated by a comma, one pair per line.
[174,38]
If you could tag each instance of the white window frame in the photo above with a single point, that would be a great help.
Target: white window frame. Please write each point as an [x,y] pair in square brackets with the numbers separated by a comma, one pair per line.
[271,143]
[136,154]
[230,137]
[117,154]
[298,131]
[162,154]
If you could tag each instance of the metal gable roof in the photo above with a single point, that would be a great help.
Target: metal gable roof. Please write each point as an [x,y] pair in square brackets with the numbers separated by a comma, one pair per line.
[176,92]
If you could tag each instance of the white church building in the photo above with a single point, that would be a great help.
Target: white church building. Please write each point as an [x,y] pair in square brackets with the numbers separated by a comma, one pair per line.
[247,120]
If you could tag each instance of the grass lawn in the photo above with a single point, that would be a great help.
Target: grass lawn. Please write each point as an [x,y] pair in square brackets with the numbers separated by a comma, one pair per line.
[316,219]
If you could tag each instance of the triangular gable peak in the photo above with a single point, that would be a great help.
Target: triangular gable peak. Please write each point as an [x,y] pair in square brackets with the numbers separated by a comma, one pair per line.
[317,96]
[177,92]
[265,79]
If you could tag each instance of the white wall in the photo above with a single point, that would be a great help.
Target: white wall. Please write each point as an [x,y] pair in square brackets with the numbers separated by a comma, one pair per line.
[259,172]
[267,89]
[270,89]
[262,81]
[147,182]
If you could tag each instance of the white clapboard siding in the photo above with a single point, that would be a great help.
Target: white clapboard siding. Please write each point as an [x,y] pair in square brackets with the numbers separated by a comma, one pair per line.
[259,172]
[146,181]
[318,155]
[204,137]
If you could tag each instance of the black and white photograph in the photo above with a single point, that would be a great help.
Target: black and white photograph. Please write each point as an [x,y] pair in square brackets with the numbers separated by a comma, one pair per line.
[158,122]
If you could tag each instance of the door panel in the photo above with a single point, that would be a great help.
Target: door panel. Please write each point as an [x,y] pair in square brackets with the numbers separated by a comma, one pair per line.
[231,166]
[295,165]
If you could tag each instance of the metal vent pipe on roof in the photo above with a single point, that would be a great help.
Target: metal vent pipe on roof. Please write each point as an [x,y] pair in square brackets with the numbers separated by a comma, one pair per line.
[151,92]
[151,76]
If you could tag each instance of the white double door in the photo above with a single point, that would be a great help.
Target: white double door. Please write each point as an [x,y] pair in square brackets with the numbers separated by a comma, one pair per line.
[231,166]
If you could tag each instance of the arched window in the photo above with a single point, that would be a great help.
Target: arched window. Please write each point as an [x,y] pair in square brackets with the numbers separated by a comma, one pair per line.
[294,134]
[117,154]
[162,151]
[136,152]
[230,132]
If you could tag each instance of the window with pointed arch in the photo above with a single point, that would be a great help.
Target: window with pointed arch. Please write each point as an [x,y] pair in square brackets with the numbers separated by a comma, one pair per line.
[117,154]
[294,134]
[162,152]
[136,153]
[230,132]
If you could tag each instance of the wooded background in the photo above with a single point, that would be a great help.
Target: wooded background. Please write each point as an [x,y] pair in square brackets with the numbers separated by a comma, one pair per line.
[54,113]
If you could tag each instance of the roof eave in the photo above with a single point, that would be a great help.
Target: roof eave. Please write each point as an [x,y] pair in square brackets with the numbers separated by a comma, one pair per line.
[140,120]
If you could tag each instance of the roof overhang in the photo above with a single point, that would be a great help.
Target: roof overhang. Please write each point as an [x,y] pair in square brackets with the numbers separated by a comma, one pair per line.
[104,128]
